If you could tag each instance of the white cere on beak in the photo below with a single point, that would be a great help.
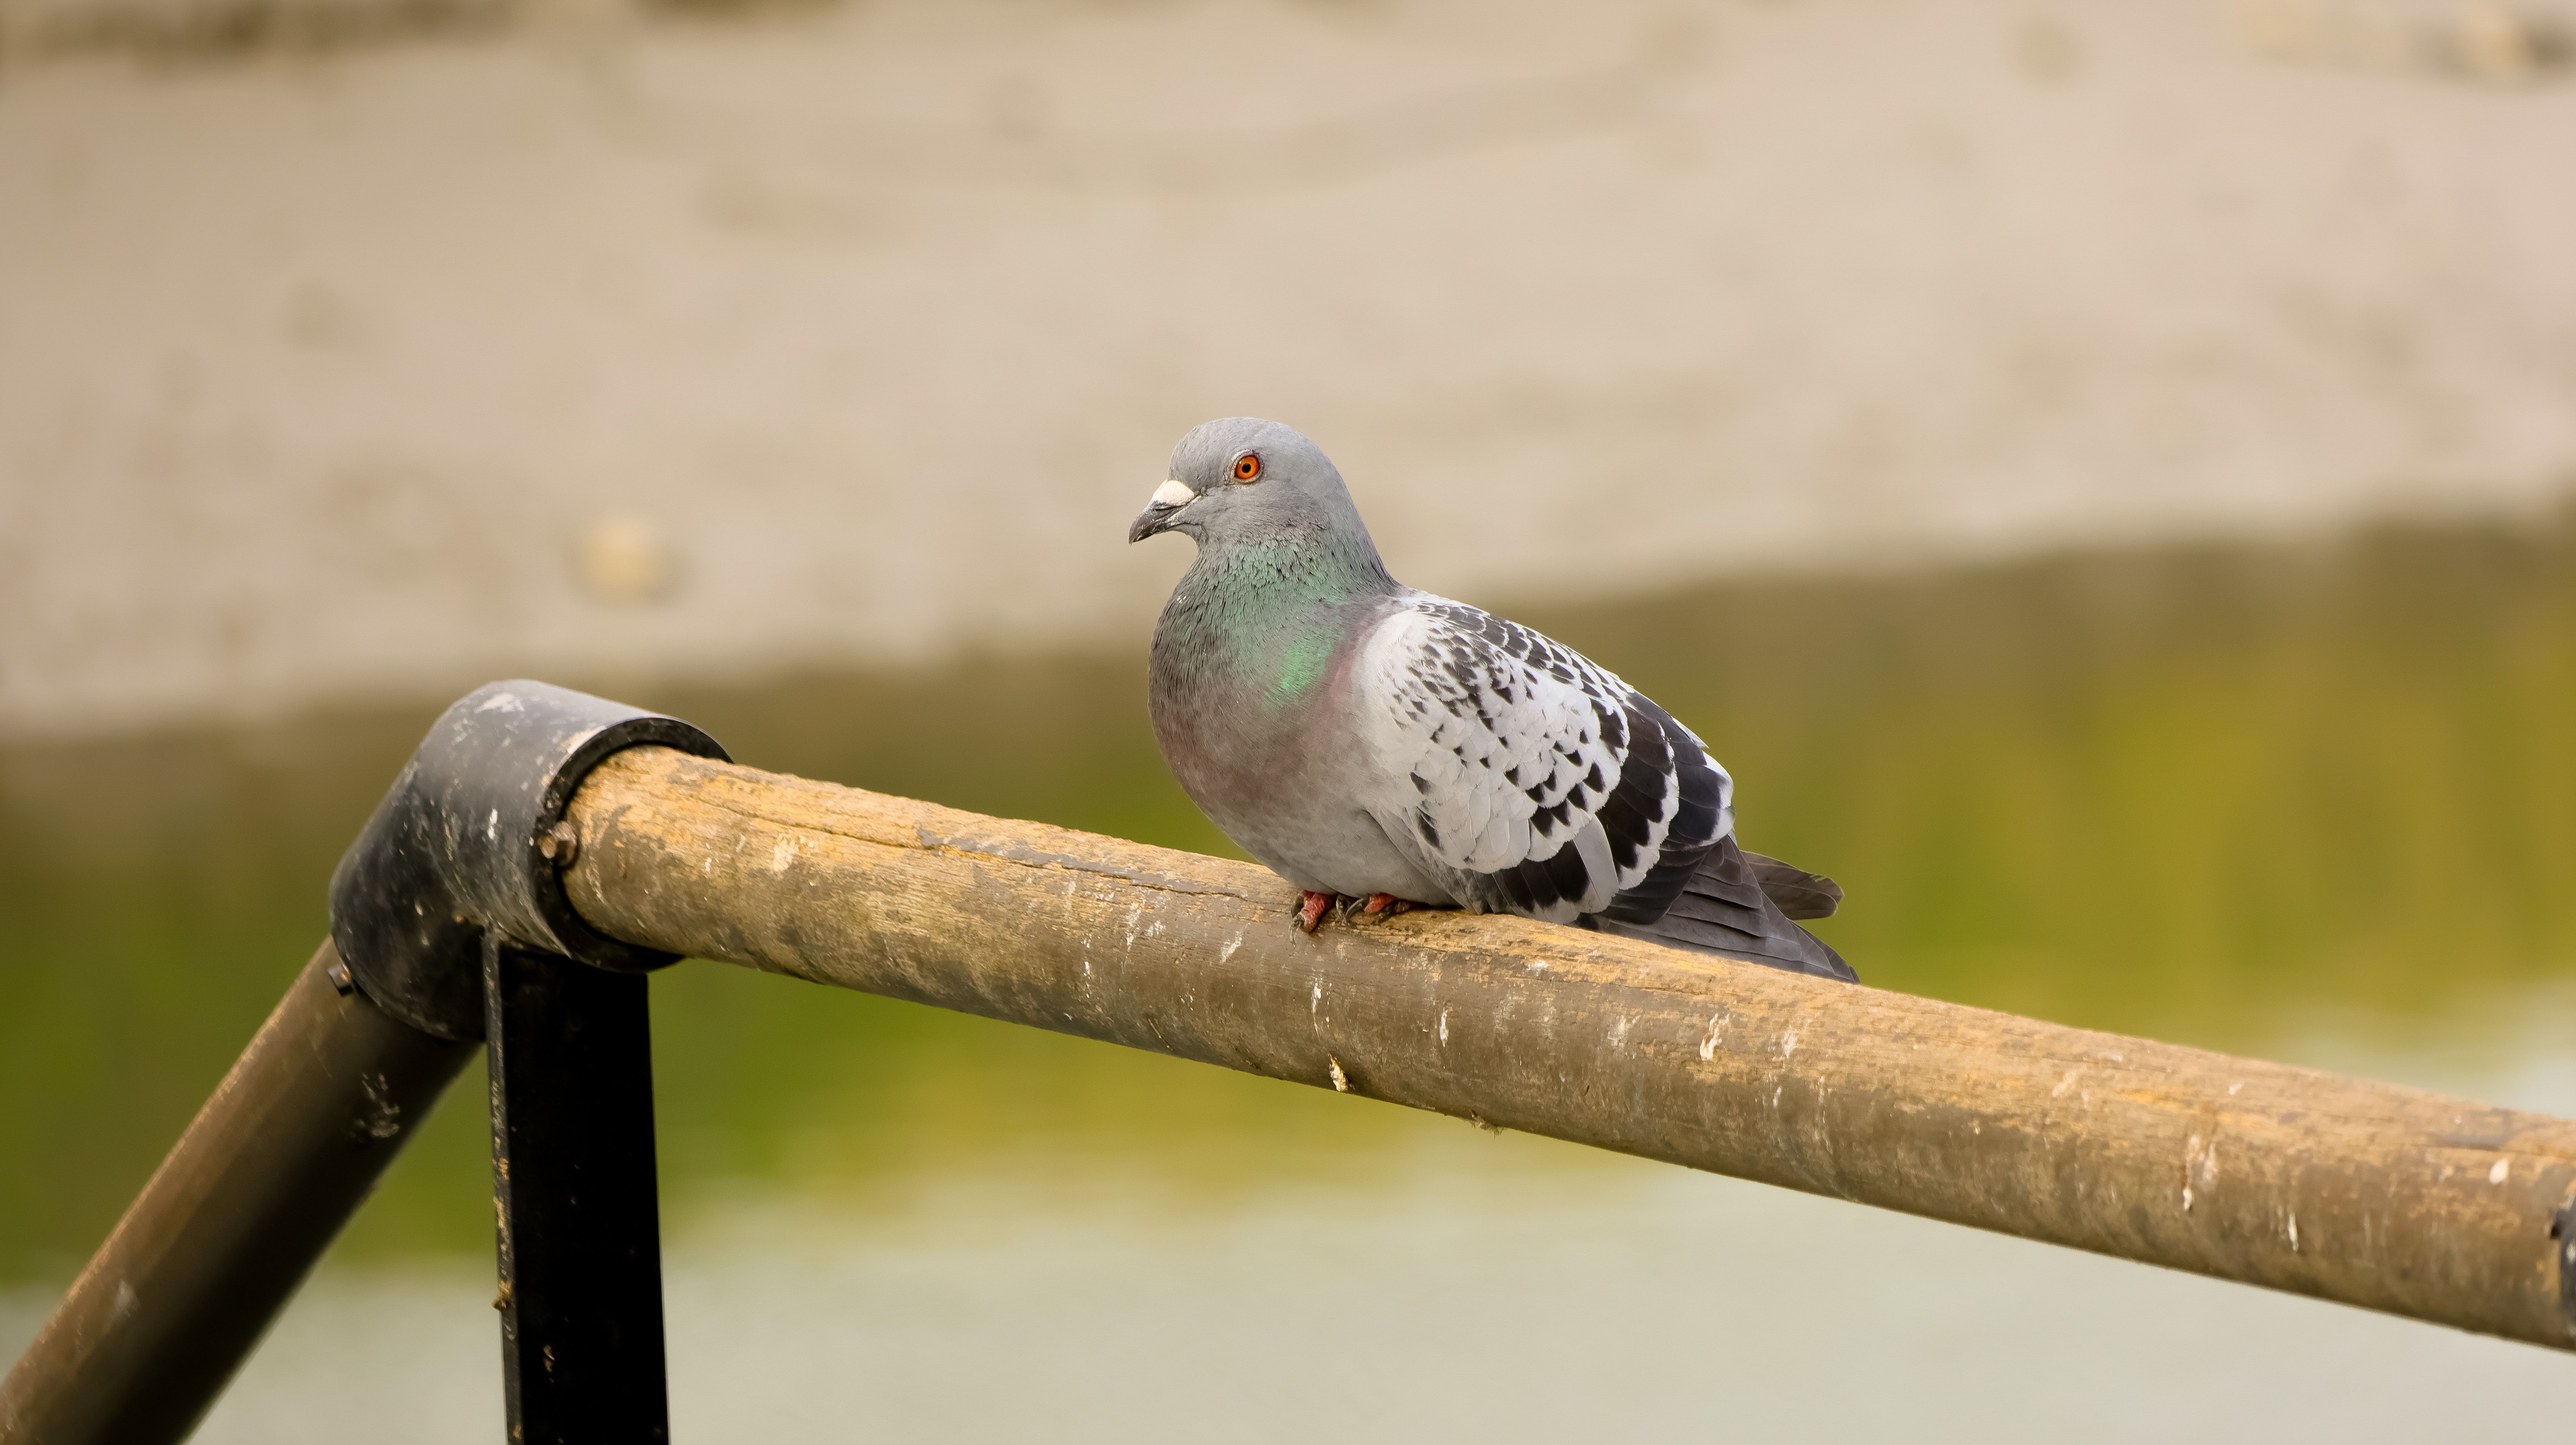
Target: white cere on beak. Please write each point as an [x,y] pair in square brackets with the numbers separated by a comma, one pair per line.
[1173,494]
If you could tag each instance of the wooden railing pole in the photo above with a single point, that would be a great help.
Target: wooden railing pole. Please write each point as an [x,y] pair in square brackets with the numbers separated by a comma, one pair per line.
[2368,1193]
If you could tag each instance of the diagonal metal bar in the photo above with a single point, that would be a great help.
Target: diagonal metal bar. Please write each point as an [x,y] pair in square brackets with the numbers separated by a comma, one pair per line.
[274,1164]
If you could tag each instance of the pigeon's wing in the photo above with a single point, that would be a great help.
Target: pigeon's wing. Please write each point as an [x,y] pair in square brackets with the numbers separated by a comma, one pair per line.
[1799,893]
[1727,909]
[1526,779]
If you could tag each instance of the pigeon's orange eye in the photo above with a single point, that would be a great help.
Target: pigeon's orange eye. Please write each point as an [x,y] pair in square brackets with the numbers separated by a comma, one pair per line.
[1247,467]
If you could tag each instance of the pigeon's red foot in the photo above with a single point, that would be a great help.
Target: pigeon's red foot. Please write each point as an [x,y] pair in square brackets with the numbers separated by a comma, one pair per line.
[1310,909]
[1387,903]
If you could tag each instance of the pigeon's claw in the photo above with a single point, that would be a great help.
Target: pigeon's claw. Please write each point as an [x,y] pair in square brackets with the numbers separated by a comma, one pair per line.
[1387,903]
[1310,909]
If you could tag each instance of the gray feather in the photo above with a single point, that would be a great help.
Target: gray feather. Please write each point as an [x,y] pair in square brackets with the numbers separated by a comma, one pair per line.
[1724,910]
[1799,893]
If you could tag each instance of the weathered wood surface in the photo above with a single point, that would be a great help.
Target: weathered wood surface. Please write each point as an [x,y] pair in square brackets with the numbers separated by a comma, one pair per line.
[2364,1192]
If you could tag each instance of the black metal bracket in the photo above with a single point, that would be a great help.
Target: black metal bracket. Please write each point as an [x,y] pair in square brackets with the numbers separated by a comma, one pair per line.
[465,842]
[455,879]
[450,911]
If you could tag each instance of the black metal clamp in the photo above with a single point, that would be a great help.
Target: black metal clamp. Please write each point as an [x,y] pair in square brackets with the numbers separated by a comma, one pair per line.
[466,843]
[449,925]
[450,912]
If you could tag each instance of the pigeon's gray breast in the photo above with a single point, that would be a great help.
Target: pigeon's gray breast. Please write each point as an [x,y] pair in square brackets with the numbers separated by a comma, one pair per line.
[1257,717]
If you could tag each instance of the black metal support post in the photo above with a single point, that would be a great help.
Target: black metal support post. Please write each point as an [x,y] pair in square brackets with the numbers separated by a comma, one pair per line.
[572,1176]
[454,880]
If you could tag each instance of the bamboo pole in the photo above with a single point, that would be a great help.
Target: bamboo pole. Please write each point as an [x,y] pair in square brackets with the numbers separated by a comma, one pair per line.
[2348,1189]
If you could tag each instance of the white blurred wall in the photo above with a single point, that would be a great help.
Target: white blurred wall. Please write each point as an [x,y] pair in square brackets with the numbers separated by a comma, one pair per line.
[600,346]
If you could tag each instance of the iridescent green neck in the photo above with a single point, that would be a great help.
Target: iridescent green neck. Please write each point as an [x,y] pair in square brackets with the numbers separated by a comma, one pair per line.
[1268,615]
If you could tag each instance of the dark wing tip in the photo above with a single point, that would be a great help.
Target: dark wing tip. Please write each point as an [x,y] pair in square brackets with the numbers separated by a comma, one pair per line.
[1720,910]
[1799,893]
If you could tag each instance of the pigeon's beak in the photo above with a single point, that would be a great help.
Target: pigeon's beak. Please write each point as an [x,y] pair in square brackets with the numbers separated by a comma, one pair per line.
[1166,504]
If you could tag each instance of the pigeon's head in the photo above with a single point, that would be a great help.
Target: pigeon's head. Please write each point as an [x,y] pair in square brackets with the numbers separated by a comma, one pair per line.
[1242,479]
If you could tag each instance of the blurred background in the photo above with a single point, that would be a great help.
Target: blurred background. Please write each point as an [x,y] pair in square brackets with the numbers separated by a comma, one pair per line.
[2103,476]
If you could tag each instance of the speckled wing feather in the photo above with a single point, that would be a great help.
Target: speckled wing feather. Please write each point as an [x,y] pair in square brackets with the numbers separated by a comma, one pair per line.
[1527,779]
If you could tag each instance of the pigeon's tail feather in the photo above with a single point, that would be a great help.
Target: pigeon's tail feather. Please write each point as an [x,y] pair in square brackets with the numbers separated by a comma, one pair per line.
[1728,908]
[1799,893]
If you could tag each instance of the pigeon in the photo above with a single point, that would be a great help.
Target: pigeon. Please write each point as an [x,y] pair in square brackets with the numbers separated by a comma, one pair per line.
[1383,748]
